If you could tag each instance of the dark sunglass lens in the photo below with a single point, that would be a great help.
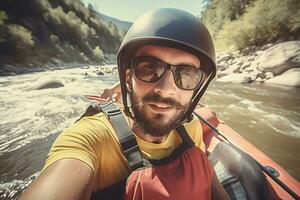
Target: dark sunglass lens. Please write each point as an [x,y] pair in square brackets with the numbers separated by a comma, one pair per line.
[149,70]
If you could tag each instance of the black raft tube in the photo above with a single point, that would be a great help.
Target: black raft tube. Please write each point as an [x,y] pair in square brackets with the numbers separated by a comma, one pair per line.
[277,180]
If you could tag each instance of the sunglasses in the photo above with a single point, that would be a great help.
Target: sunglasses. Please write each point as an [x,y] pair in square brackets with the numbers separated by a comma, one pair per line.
[150,69]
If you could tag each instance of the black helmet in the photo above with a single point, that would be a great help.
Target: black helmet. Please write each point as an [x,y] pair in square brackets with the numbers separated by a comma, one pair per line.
[172,28]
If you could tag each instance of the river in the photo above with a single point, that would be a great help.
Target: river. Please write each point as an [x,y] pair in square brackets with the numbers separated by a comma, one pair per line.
[268,116]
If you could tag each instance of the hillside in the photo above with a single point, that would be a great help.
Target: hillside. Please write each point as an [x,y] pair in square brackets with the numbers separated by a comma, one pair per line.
[238,24]
[36,34]
[123,26]
[256,40]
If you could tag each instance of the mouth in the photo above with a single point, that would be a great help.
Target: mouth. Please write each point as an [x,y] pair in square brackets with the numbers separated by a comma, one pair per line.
[160,107]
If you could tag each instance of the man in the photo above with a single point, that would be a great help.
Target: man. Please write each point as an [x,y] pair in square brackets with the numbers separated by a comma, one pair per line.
[165,63]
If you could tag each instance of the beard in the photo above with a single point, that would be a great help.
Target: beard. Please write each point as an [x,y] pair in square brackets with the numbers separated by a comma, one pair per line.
[157,125]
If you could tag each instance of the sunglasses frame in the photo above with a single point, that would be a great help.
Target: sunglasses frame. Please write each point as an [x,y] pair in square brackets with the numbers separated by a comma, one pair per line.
[168,66]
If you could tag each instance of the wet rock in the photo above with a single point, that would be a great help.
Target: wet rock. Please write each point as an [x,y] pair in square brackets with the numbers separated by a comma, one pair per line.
[231,69]
[253,75]
[288,78]
[269,75]
[99,73]
[245,65]
[11,69]
[235,78]
[259,63]
[224,57]
[266,46]
[109,69]
[49,84]
[261,76]
[237,70]
[279,58]
[259,79]
[259,52]
[4,72]
[221,68]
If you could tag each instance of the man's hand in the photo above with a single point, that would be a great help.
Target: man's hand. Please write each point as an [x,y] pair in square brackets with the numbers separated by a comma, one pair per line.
[112,94]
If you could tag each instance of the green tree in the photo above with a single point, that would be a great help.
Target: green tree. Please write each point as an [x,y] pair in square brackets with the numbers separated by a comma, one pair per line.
[98,53]
[20,36]
[3,17]
[218,12]
[113,29]
[254,23]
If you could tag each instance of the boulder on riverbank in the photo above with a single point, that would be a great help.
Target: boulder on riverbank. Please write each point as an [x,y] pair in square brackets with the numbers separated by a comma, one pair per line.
[288,78]
[279,58]
[261,64]
[235,78]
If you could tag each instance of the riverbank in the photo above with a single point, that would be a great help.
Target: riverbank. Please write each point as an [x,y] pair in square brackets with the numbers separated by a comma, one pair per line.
[12,68]
[271,64]
[266,115]
[277,64]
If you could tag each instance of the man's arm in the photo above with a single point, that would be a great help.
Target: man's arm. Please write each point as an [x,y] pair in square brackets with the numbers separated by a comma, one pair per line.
[113,93]
[217,190]
[64,179]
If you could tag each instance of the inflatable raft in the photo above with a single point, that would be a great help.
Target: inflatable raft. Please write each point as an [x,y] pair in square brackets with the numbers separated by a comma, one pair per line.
[261,177]
[244,171]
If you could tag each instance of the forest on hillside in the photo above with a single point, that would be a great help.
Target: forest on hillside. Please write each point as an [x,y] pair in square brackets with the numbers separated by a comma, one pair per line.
[237,24]
[43,34]
[35,33]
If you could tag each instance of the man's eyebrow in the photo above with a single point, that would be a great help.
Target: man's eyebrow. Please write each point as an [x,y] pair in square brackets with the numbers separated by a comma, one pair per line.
[183,63]
[189,64]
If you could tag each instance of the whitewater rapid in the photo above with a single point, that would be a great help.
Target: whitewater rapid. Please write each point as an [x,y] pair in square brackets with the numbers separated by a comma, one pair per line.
[31,119]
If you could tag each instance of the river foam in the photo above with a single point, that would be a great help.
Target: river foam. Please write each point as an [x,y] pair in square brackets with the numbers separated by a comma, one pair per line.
[31,119]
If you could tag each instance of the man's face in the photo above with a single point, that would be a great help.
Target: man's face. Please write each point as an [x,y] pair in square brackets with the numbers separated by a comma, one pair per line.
[159,105]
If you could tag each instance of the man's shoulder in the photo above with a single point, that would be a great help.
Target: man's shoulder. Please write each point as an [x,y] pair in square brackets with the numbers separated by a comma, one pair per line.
[97,119]
[195,132]
[193,126]
[96,125]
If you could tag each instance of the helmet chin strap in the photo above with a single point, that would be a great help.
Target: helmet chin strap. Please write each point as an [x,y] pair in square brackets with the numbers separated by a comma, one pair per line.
[187,117]
[129,104]
[207,80]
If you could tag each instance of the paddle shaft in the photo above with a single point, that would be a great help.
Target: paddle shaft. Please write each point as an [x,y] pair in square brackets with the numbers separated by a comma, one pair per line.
[277,180]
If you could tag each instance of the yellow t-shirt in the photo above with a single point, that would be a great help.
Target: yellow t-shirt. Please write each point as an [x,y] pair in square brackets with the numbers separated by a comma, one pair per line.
[94,141]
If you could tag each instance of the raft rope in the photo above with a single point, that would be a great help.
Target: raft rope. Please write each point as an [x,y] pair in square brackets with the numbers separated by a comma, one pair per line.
[277,180]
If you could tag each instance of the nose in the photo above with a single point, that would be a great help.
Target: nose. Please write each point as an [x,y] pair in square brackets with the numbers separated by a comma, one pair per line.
[166,85]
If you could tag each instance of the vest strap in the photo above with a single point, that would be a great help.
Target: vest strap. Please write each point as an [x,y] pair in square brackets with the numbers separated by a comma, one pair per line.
[126,138]
[185,136]
[128,142]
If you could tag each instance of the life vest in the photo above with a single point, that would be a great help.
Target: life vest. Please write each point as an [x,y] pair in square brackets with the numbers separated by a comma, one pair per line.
[185,174]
